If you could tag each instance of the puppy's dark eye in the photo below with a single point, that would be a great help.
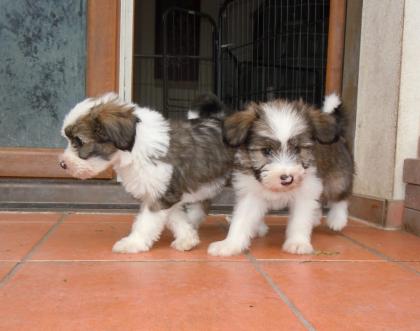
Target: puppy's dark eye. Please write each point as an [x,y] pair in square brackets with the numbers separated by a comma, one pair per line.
[267,151]
[294,148]
[78,142]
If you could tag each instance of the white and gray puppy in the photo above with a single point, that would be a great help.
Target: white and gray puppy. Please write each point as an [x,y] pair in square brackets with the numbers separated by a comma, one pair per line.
[173,167]
[288,154]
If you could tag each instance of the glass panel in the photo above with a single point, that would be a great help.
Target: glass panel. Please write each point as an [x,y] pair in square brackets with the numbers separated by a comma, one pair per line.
[42,69]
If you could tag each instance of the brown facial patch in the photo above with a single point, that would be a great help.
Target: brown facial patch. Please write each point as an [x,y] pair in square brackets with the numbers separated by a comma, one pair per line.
[259,150]
[104,130]
[236,127]
[317,147]
[263,144]
[115,123]
[325,127]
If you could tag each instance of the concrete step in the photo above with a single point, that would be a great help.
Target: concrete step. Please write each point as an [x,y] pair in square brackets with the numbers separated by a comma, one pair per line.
[412,220]
[411,172]
[412,196]
[418,148]
[74,194]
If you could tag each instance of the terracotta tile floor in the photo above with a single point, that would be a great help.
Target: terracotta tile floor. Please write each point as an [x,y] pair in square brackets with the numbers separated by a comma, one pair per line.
[57,272]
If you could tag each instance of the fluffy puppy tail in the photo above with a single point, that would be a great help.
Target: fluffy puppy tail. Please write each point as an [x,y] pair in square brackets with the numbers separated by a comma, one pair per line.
[205,106]
[333,106]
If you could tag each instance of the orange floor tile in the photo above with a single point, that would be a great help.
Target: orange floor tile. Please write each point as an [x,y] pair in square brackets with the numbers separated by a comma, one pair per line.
[17,238]
[5,268]
[57,272]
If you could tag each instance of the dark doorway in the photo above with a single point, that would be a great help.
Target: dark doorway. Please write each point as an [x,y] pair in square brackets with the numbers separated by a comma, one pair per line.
[264,49]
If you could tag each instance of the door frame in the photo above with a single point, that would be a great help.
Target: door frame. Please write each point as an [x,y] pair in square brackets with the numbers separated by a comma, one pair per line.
[102,75]
[126,50]
[109,67]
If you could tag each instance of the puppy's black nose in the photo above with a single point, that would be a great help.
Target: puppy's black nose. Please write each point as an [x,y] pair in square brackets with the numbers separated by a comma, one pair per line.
[286,179]
[63,165]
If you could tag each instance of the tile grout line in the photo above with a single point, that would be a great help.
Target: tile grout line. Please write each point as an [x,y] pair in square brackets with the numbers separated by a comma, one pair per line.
[25,258]
[204,260]
[379,254]
[317,261]
[280,293]
[139,261]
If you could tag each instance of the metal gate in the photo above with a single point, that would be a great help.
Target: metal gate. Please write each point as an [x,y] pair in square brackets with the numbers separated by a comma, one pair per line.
[259,50]
[189,58]
[271,49]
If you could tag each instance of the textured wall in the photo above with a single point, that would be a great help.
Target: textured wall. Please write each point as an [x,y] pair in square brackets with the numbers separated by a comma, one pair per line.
[409,109]
[378,94]
[42,68]
[351,64]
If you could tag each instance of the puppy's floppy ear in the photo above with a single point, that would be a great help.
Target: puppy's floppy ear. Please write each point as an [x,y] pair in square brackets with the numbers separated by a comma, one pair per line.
[326,129]
[236,127]
[115,123]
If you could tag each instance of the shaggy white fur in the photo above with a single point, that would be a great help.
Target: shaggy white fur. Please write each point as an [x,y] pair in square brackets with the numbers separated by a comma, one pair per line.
[146,177]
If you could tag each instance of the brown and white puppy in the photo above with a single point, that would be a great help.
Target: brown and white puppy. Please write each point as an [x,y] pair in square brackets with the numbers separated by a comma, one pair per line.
[288,154]
[173,167]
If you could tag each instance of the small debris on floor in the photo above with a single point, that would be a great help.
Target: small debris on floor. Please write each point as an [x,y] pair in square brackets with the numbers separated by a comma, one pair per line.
[327,253]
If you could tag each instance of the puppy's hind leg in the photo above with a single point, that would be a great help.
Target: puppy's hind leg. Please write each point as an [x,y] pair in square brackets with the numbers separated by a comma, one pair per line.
[184,229]
[197,212]
[262,229]
[337,215]
[146,229]
[317,217]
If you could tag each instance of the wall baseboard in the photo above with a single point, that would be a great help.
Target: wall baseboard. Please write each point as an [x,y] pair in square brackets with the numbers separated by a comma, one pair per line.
[36,194]
[35,163]
[382,212]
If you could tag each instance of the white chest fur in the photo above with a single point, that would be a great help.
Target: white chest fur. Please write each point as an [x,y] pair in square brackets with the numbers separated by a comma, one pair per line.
[140,170]
[144,178]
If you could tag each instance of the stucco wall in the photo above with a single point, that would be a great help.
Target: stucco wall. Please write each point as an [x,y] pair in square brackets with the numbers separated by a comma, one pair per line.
[409,102]
[378,97]
[42,68]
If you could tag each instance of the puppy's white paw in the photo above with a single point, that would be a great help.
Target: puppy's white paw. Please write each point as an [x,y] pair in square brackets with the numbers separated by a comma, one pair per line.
[316,222]
[317,218]
[337,216]
[130,245]
[224,248]
[185,243]
[262,230]
[337,223]
[298,246]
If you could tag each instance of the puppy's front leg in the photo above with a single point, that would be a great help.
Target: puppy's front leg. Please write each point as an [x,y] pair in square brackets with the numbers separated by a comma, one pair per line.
[299,227]
[145,231]
[247,215]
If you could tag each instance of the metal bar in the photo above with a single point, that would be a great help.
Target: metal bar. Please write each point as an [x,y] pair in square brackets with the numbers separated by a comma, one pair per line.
[281,46]
[299,51]
[165,64]
[184,61]
[321,91]
[314,73]
[293,52]
[275,80]
[219,59]
[307,53]
[252,54]
[335,51]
